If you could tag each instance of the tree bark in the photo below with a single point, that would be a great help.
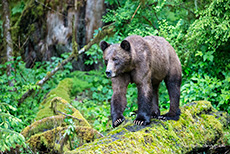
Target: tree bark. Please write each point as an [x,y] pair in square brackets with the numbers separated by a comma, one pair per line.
[7,36]
[94,10]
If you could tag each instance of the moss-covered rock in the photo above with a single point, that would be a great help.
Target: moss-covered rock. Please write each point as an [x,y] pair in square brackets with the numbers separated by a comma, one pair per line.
[200,124]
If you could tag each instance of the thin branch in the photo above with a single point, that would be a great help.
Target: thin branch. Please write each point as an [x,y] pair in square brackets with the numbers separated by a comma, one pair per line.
[118,3]
[135,12]
[100,134]
[150,23]
[68,115]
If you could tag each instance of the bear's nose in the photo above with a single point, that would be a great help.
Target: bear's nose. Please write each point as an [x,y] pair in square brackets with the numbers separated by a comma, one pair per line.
[108,73]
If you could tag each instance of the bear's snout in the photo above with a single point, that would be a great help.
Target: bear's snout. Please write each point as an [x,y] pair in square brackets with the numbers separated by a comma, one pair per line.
[108,73]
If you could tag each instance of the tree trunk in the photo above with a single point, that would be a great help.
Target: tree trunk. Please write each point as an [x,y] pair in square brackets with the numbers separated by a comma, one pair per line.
[94,10]
[89,15]
[45,29]
[7,35]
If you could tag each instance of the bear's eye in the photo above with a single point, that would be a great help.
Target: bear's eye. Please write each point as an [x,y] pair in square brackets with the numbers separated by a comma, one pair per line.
[115,59]
[106,62]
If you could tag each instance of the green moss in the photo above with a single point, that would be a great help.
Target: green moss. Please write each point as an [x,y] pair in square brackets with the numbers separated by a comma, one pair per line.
[47,139]
[197,126]
[50,108]
[63,89]
[79,82]
[79,86]
[43,125]
[58,99]
[55,141]
[41,133]
[49,123]
[83,121]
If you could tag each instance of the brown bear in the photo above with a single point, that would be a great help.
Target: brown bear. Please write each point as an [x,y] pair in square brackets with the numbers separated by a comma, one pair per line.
[145,61]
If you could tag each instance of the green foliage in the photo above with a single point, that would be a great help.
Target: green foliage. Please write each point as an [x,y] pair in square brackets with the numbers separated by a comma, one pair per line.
[9,137]
[210,89]
[70,131]
[17,117]
[95,55]
[227,135]
[93,102]
[208,38]
[18,8]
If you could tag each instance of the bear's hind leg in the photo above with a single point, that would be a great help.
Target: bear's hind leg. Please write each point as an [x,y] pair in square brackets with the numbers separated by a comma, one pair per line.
[173,85]
[145,95]
[155,104]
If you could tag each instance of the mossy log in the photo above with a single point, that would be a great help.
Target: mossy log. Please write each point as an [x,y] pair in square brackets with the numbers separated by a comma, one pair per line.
[57,140]
[199,125]
[48,133]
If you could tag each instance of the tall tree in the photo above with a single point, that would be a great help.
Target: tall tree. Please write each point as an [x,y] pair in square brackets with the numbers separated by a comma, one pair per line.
[7,35]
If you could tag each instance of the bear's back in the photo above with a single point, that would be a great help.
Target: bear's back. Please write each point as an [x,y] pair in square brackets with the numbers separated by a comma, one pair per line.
[153,53]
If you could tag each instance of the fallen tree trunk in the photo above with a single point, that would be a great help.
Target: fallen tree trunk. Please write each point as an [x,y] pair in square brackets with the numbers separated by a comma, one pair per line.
[199,126]
[106,31]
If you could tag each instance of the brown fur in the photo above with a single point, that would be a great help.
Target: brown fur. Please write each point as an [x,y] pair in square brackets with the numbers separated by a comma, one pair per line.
[146,61]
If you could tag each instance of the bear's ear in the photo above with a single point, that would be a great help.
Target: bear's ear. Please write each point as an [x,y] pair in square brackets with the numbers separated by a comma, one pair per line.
[125,45]
[104,45]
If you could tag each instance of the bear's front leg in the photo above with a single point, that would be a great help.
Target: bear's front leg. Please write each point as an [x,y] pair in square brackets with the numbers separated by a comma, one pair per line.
[118,104]
[145,106]
[118,101]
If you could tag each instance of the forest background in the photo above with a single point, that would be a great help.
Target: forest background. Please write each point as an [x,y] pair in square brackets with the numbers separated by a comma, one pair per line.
[37,35]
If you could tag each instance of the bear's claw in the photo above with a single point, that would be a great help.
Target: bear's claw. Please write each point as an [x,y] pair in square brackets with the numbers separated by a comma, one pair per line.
[142,120]
[170,116]
[118,122]
[137,122]
[162,118]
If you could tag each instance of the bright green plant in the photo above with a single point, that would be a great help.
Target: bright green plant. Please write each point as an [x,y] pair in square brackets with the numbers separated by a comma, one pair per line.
[70,132]
[207,88]
[9,137]
[93,102]
[208,39]
[23,79]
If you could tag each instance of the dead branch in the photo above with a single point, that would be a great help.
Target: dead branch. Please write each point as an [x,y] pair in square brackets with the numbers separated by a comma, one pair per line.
[68,115]
[135,12]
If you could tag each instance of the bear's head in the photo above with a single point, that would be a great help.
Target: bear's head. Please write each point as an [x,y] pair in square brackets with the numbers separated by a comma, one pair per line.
[117,57]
